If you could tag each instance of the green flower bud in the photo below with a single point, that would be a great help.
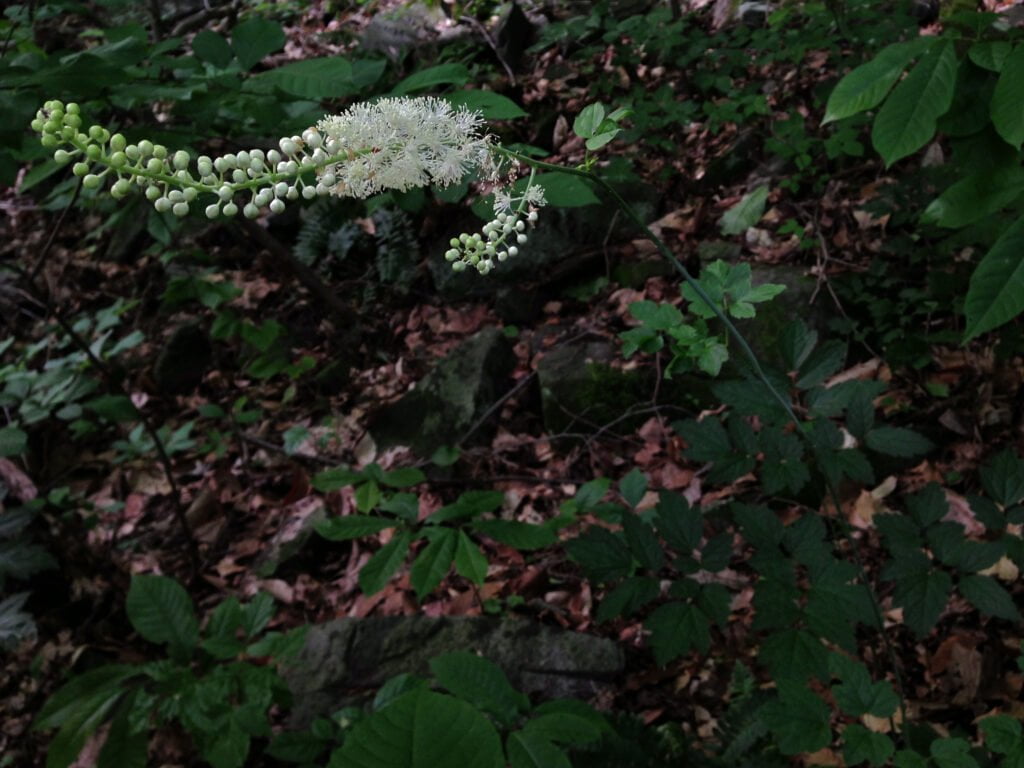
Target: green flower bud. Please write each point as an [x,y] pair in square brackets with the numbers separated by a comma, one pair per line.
[48,140]
[205,166]
[212,211]
[180,209]
[155,165]
[146,147]
[308,192]
[67,133]
[159,150]
[250,211]
[37,125]
[51,126]
[230,209]
[92,181]
[152,192]
[93,152]
[458,266]
[454,242]
[72,108]
[62,156]
[189,194]
[225,193]
[121,188]
[238,176]
[451,254]
[118,143]
[181,159]
[133,152]
[72,121]
[162,204]
[277,206]
[57,115]
[96,132]
[80,169]
[175,195]
[118,160]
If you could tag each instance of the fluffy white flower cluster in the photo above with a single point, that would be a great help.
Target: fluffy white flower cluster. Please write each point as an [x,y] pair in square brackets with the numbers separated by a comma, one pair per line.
[401,143]
[500,237]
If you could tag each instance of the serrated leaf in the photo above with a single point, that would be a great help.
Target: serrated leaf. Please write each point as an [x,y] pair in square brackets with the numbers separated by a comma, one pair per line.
[1007,107]
[975,196]
[257,613]
[906,122]
[867,85]
[210,47]
[352,527]
[79,726]
[897,441]
[633,487]
[1002,733]
[470,562]
[601,554]
[675,629]
[952,753]
[799,719]
[402,478]
[861,745]
[378,571]
[678,523]
[642,542]
[1002,477]
[565,727]
[707,439]
[857,694]
[423,729]
[628,598]
[824,361]
[335,479]
[794,655]
[481,682]
[760,526]
[795,343]
[996,291]
[433,562]
[162,612]
[512,533]
[746,213]
[13,441]
[988,596]
[923,596]
[658,316]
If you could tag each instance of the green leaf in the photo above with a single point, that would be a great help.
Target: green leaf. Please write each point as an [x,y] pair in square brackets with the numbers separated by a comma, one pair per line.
[976,196]
[906,122]
[633,487]
[63,704]
[405,477]
[1007,106]
[659,316]
[799,719]
[707,439]
[367,496]
[257,613]
[443,74]
[423,729]
[794,655]
[760,526]
[864,87]
[988,596]
[990,55]
[1002,733]
[906,758]
[335,479]
[469,504]
[470,562]
[857,694]
[897,441]
[162,612]
[952,753]
[824,361]
[588,120]
[530,749]
[255,38]
[628,598]
[563,190]
[512,533]
[296,747]
[13,442]
[352,527]
[746,213]
[378,571]
[566,727]
[601,554]
[923,596]
[123,747]
[1002,477]
[481,682]
[678,523]
[861,745]
[328,77]
[675,629]
[492,106]
[996,291]
[433,562]
[79,726]
[212,48]
[642,542]
[228,746]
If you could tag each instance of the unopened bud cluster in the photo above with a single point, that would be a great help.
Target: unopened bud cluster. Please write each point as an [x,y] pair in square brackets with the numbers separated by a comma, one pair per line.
[393,144]
[501,237]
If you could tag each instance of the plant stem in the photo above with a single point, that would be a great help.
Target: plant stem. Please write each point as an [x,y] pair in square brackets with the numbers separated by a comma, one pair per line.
[755,364]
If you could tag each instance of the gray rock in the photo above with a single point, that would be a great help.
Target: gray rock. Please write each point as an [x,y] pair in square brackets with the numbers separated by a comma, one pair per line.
[345,659]
[451,398]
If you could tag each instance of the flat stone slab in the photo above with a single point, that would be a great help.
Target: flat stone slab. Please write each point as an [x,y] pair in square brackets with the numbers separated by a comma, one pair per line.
[345,660]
